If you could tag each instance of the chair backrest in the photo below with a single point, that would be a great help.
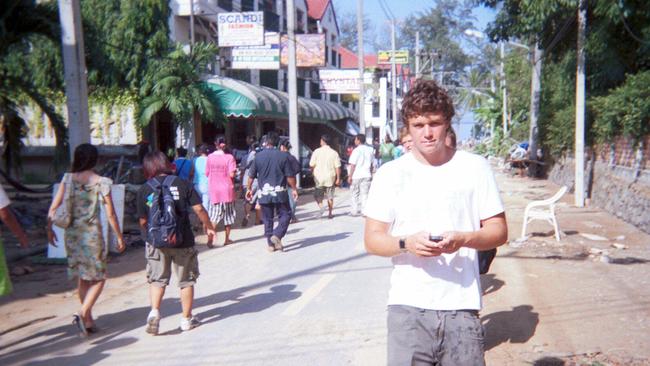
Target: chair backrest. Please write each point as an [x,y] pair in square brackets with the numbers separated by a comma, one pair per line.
[556,197]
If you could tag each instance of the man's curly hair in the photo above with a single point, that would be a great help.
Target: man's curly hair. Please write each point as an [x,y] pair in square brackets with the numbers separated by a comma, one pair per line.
[426,97]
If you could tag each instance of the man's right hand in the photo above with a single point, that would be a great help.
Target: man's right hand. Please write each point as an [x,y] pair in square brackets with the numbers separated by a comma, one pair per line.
[420,245]
[249,194]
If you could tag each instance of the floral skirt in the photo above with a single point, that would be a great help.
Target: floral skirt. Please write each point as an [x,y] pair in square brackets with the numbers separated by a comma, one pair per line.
[84,245]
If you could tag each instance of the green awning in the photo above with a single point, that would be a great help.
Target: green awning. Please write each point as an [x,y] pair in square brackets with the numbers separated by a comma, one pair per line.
[241,99]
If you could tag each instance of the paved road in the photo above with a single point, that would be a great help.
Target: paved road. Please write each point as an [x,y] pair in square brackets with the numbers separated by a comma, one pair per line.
[321,302]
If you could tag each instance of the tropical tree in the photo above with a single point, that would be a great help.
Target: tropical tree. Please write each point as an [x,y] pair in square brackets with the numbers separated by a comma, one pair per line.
[26,75]
[348,31]
[175,84]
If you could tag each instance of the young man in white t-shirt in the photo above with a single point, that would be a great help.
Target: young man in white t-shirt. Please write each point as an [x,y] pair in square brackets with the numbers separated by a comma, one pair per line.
[435,190]
[361,168]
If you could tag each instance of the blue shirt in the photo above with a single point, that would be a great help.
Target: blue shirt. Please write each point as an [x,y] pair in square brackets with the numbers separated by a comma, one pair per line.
[200,179]
[183,168]
[271,167]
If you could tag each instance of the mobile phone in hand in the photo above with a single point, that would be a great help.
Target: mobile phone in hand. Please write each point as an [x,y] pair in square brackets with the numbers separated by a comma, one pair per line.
[436,238]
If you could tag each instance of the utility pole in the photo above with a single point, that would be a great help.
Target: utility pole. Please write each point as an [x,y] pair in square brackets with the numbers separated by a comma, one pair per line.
[580,108]
[195,128]
[362,88]
[74,66]
[504,114]
[393,77]
[191,26]
[535,91]
[293,87]
[417,54]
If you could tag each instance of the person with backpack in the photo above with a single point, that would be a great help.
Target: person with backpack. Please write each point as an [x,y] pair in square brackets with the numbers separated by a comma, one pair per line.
[163,206]
[184,166]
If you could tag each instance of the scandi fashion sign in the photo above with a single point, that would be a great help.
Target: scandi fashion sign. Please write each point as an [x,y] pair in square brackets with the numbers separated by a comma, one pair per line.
[339,81]
[241,29]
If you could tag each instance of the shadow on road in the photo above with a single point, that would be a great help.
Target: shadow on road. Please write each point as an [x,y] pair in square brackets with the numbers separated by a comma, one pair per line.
[490,284]
[92,355]
[316,240]
[249,304]
[515,326]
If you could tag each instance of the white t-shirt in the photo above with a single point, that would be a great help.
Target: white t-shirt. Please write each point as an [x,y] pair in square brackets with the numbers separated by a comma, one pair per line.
[4,200]
[414,197]
[362,157]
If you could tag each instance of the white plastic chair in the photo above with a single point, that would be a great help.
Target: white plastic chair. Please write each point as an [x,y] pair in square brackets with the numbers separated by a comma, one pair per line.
[543,210]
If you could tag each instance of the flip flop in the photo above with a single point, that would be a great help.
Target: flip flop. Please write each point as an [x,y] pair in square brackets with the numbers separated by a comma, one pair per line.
[76,320]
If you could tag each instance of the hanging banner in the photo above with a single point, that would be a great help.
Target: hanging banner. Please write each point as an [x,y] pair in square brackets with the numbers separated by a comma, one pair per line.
[266,57]
[339,81]
[310,50]
[241,29]
[401,57]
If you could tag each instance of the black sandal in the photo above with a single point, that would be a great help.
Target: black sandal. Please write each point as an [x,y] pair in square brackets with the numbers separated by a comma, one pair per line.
[78,321]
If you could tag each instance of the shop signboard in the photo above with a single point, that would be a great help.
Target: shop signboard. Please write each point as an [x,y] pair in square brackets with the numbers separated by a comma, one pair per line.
[339,81]
[310,50]
[241,29]
[401,57]
[266,57]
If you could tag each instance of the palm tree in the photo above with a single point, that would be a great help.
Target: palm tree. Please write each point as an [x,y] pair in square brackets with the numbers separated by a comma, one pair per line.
[176,86]
[23,24]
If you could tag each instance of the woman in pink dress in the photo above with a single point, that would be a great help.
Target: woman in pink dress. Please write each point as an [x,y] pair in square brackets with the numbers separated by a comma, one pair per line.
[220,170]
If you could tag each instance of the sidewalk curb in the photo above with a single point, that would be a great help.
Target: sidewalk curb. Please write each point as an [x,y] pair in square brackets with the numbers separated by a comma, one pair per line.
[24,253]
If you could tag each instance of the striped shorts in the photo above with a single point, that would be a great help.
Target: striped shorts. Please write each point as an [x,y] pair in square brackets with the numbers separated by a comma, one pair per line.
[223,211]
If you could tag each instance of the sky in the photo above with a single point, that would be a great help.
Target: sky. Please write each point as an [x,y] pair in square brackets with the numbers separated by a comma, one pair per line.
[374,12]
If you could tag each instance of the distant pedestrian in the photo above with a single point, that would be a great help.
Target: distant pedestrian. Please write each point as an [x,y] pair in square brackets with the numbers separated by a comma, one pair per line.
[361,169]
[84,241]
[326,164]
[386,150]
[431,211]
[201,180]
[220,170]
[285,146]
[273,172]
[184,166]
[406,139]
[180,254]
[7,217]
[251,205]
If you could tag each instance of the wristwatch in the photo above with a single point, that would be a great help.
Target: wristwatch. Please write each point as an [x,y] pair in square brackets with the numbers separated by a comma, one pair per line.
[402,245]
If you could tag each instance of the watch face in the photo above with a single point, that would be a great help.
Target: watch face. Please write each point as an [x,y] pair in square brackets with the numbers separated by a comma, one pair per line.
[402,244]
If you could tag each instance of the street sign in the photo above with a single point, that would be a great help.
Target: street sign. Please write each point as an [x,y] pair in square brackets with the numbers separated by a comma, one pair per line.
[266,57]
[401,57]
[241,29]
[339,81]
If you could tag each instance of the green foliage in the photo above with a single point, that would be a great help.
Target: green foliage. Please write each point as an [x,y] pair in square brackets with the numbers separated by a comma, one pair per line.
[175,84]
[617,45]
[624,111]
[441,28]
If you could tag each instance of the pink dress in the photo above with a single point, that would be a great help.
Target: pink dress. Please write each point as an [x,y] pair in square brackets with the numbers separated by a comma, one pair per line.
[218,170]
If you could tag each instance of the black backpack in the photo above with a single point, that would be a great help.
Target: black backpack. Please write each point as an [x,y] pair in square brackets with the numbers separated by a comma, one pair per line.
[485,258]
[164,226]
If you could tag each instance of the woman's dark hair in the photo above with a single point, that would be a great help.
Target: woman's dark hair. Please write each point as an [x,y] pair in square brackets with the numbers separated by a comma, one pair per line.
[155,163]
[85,158]
[203,149]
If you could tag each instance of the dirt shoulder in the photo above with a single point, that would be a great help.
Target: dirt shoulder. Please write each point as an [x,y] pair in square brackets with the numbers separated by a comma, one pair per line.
[582,300]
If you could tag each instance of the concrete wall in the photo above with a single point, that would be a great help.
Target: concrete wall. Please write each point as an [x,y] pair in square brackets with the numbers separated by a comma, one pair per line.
[620,190]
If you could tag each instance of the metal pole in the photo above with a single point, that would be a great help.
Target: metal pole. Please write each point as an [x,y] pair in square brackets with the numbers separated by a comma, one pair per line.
[194,124]
[362,91]
[535,91]
[191,25]
[504,114]
[393,77]
[493,89]
[293,87]
[417,55]
[74,65]
[580,108]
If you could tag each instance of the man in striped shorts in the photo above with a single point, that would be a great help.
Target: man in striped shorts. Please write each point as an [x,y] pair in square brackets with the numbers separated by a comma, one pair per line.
[220,170]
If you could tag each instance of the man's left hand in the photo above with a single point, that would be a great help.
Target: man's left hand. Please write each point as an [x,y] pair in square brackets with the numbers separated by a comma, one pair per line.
[451,242]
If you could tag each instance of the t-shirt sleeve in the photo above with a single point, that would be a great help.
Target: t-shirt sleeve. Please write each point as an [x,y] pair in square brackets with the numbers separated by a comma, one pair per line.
[4,200]
[252,172]
[232,164]
[489,201]
[192,196]
[380,202]
[314,157]
[141,201]
[287,167]
[354,157]
[105,186]
[337,161]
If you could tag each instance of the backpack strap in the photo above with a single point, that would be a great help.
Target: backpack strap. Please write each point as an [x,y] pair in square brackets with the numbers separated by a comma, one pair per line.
[168,180]
[153,183]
